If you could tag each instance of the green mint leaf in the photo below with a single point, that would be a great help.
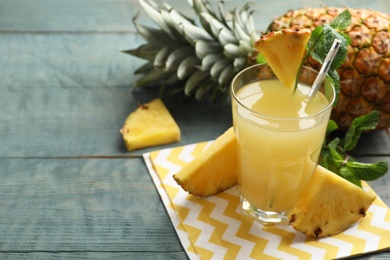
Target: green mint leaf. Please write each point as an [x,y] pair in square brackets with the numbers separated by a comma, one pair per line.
[346,37]
[334,78]
[321,41]
[315,39]
[367,171]
[333,150]
[260,59]
[330,157]
[358,125]
[334,155]
[332,126]
[324,159]
[316,35]
[342,21]
[330,35]
[347,174]
[329,163]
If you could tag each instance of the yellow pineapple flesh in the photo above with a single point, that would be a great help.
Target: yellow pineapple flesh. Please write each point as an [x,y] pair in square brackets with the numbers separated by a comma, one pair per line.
[214,170]
[284,51]
[150,124]
[365,75]
[329,205]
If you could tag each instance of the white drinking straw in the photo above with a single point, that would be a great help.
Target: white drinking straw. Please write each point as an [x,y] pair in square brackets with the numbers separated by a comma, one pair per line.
[325,67]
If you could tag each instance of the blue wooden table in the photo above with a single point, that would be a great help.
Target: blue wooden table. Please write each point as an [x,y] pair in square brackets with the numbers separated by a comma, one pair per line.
[68,187]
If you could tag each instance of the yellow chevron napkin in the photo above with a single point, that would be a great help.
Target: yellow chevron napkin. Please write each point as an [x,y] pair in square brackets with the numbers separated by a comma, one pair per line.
[215,228]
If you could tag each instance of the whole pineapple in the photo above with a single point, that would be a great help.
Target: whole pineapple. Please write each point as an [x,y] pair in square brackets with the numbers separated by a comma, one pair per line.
[202,60]
[365,75]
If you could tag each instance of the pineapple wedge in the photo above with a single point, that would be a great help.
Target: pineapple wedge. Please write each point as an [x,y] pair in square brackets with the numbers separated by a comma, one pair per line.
[149,125]
[284,51]
[214,170]
[329,205]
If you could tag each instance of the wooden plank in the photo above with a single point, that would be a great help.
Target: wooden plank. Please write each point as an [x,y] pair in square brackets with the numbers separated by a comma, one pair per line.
[68,95]
[67,61]
[70,15]
[89,207]
[86,122]
[375,143]
[115,16]
[95,255]
[83,206]
[52,122]
[65,92]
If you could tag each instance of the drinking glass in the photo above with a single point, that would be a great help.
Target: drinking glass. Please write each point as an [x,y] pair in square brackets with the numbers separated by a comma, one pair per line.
[277,154]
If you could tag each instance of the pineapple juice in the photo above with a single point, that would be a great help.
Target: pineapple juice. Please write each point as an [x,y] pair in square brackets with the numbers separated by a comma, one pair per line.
[280,134]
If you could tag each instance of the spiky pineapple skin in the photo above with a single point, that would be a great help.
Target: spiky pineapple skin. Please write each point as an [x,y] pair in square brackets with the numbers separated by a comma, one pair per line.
[365,75]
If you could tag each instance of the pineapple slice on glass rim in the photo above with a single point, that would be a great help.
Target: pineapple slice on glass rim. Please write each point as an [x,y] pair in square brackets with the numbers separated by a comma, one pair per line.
[284,51]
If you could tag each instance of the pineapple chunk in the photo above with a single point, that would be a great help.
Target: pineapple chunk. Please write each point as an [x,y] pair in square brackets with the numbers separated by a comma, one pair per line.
[284,51]
[149,125]
[329,205]
[214,170]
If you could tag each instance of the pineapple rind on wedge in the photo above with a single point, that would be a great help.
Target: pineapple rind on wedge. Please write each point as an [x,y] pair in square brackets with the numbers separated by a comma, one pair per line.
[150,124]
[284,51]
[329,205]
[214,170]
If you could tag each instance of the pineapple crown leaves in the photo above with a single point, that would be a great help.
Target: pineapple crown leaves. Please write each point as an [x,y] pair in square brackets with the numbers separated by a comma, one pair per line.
[334,153]
[202,58]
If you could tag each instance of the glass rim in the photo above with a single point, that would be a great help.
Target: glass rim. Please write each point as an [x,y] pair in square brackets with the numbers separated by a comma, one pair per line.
[278,117]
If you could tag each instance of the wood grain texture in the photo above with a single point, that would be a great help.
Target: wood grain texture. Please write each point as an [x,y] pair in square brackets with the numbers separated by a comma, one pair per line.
[86,16]
[66,189]
[52,122]
[81,205]
[70,95]
[66,95]
[96,255]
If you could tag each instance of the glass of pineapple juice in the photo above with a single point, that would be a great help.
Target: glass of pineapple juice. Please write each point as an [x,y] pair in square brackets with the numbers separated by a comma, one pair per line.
[280,133]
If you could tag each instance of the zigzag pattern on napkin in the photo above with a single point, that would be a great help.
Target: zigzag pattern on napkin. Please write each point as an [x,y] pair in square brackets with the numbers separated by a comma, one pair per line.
[217,229]
[378,220]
